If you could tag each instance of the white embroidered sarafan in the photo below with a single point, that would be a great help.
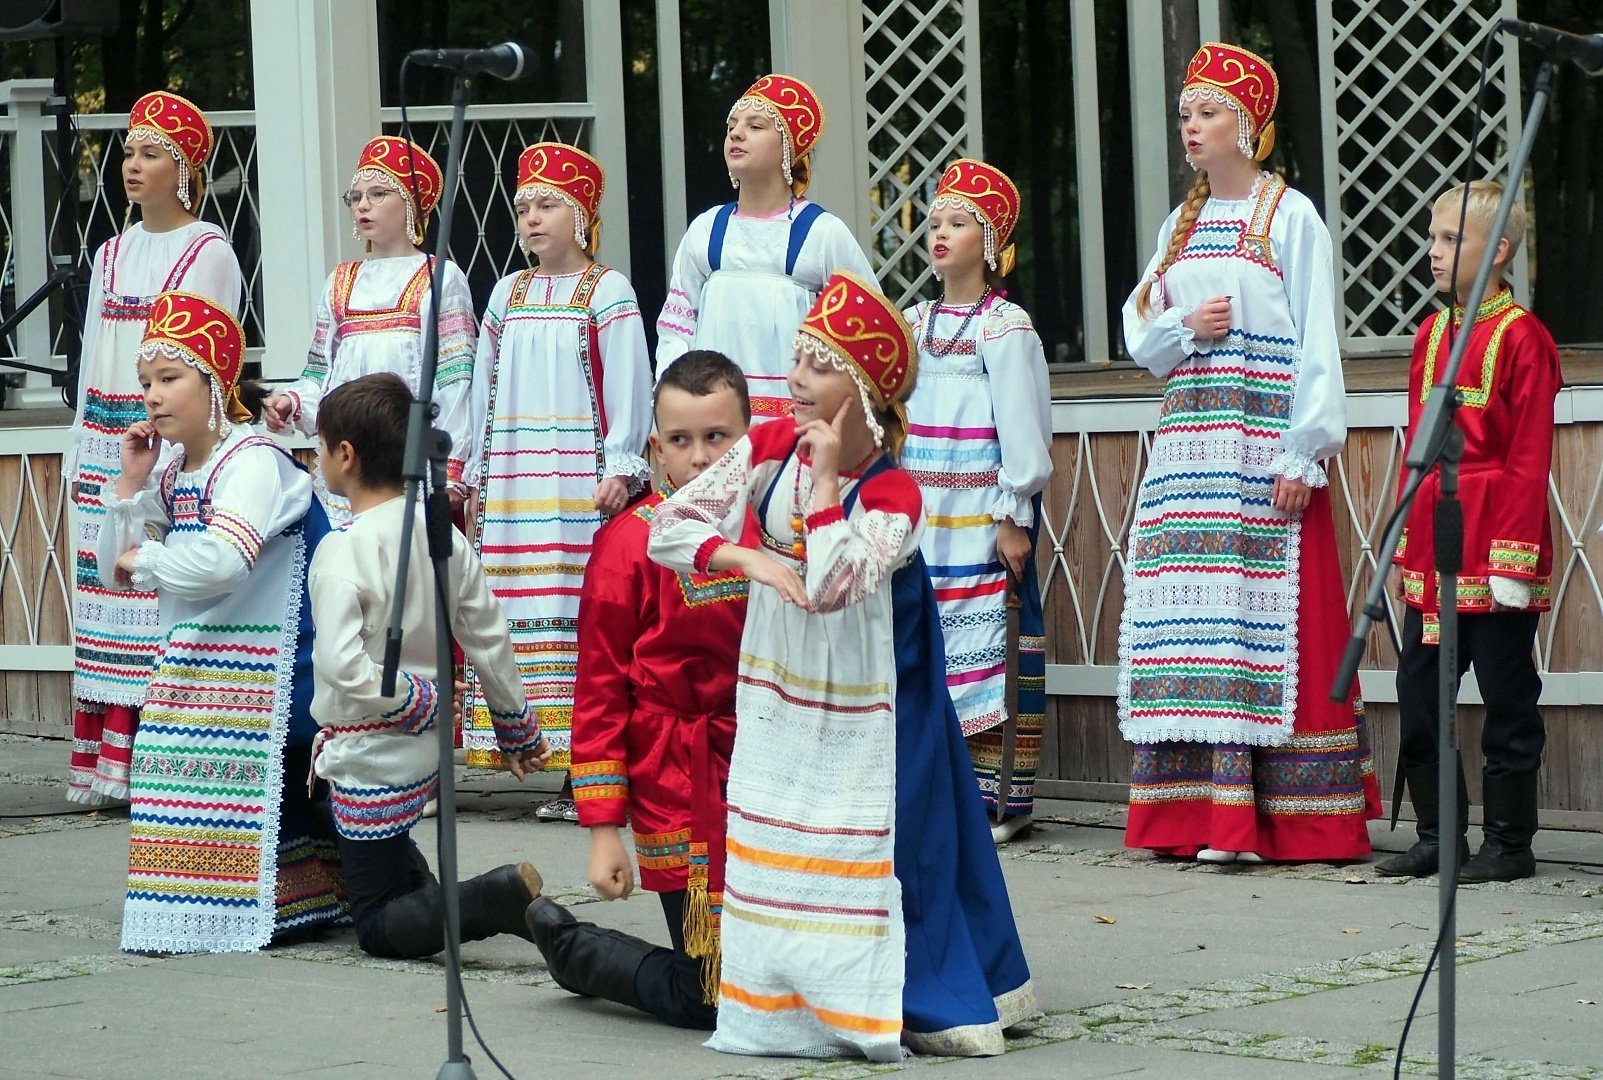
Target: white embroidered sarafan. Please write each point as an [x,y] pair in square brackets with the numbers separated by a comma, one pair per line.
[1208,637]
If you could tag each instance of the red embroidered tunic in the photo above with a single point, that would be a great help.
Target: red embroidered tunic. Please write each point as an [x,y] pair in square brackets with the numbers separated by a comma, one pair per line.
[1509,380]
[654,706]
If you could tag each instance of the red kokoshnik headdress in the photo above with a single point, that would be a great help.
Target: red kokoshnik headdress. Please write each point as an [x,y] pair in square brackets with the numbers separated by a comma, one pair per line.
[177,125]
[205,335]
[795,111]
[1246,83]
[854,328]
[394,162]
[986,192]
[567,173]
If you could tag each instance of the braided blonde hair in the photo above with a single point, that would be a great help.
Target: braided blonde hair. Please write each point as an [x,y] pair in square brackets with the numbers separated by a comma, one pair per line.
[1195,198]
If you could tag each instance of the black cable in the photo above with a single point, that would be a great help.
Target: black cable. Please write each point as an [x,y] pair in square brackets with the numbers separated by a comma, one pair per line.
[1458,247]
[1430,964]
[452,945]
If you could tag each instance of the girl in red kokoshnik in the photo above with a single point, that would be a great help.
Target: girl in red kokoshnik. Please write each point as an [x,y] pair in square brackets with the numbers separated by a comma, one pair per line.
[1234,622]
[116,633]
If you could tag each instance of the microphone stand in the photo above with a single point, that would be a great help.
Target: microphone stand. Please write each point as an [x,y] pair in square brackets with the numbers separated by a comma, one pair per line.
[1438,441]
[428,446]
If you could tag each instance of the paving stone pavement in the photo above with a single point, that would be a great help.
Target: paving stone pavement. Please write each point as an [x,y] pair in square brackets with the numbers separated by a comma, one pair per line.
[1144,967]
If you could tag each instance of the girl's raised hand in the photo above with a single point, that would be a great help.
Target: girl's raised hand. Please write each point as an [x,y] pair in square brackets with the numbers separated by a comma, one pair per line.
[141,446]
[820,441]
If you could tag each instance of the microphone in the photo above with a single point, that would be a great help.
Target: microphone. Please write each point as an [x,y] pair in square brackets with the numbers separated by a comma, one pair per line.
[1586,50]
[504,61]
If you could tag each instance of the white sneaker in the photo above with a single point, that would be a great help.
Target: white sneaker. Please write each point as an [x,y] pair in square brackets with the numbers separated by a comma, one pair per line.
[1012,828]
[1251,857]
[1213,855]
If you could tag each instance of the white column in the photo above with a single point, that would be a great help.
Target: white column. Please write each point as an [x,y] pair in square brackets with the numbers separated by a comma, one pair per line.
[603,71]
[317,104]
[1088,176]
[671,107]
[1151,104]
[24,101]
[821,43]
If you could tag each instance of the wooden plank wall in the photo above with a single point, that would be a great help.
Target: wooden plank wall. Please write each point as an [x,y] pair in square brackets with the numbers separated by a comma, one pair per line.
[33,575]
[1088,504]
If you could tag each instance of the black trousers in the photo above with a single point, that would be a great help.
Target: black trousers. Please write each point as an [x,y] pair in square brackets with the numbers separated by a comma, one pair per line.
[669,983]
[377,872]
[1499,646]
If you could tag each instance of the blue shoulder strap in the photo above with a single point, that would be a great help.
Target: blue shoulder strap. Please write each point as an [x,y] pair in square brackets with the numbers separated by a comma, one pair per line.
[799,228]
[762,507]
[720,225]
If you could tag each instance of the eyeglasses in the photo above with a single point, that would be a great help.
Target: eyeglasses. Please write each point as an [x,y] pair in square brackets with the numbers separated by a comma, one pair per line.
[375,196]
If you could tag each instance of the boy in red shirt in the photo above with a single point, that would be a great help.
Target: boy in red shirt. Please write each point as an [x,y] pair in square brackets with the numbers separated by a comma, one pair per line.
[1509,380]
[654,725]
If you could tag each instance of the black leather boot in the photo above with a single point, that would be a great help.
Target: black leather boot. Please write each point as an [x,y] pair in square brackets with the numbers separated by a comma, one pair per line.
[492,903]
[1423,790]
[1509,824]
[589,960]
[495,902]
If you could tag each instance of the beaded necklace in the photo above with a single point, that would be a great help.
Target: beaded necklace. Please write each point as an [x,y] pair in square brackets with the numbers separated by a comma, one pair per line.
[945,345]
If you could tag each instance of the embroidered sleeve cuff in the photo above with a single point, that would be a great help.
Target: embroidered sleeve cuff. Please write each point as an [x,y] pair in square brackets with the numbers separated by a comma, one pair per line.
[515,732]
[1297,465]
[1511,592]
[1012,505]
[294,417]
[453,470]
[632,467]
[601,790]
[1190,344]
[1402,548]
[1513,559]
[418,708]
[825,517]
[144,572]
[705,552]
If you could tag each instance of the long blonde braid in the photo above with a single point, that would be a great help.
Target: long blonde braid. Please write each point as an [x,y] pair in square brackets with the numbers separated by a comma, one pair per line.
[1195,198]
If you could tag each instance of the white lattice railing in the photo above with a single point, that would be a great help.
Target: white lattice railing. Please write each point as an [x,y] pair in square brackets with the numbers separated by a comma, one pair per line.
[1398,82]
[923,111]
[496,135]
[1102,449]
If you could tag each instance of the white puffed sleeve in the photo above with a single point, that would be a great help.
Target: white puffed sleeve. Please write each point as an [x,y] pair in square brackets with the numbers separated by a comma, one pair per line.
[257,494]
[1319,410]
[307,391]
[1021,402]
[705,514]
[129,523]
[838,248]
[487,351]
[453,377]
[849,558]
[93,313]
[215,274]
[676,326]
[1160,342]
[626,379]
